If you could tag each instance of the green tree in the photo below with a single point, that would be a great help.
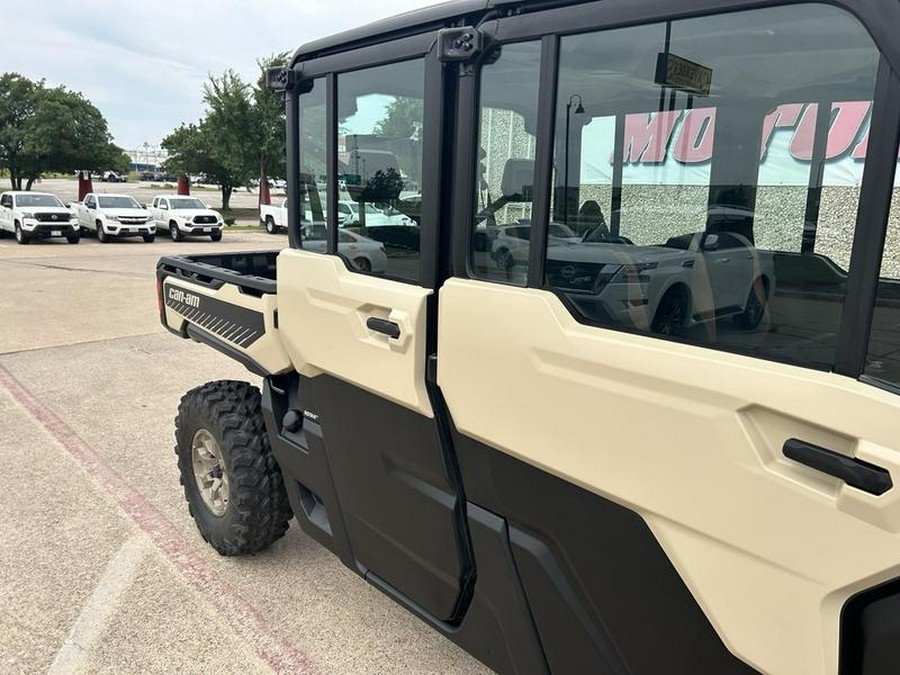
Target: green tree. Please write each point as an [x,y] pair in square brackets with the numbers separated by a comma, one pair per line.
[269,123]
[246,123]
[191,151]
[403,119]
[402,122]
[50,129]
[16,109]
[118,160]
[228,126]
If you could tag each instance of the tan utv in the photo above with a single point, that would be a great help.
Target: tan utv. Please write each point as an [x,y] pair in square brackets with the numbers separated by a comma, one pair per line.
[665,443]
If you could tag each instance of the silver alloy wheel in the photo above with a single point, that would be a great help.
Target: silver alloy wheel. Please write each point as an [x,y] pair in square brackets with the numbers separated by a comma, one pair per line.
[209,471]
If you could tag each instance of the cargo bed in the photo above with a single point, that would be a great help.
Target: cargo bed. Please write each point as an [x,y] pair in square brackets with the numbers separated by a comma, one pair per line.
[225,300]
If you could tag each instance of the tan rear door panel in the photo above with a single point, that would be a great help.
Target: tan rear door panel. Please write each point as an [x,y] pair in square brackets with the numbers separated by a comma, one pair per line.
[689,438]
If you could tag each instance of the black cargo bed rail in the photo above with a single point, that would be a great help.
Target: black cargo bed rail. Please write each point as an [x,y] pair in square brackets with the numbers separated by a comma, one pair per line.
[252,271]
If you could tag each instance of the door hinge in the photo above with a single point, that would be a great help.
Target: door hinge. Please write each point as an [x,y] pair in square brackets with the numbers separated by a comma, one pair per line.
[461,44]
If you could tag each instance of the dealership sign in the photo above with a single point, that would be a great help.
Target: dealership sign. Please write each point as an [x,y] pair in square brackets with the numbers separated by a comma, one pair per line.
[675,147]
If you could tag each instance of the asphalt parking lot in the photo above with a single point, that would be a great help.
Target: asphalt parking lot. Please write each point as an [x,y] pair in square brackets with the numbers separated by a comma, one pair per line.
[101,567]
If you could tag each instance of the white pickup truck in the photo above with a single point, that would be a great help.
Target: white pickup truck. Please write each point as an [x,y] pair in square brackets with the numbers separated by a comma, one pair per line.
[275,217]
[36,215]
[186,216]
[112,216]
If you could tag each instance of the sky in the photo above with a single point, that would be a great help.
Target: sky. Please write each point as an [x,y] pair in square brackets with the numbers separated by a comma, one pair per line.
[143,64]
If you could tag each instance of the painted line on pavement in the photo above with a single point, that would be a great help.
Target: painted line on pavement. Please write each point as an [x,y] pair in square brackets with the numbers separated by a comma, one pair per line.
[100,607]
[246,621]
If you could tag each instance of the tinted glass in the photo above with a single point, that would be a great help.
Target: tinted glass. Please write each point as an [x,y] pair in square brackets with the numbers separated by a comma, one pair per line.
[182,203]
[883,361]
[505,178]
[37,200]
[380,132]
[118,203]
[313,168]
[727,214]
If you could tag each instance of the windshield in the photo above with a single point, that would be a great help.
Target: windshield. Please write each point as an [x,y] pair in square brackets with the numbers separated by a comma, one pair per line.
[186,203]
[123,202]
[37,200]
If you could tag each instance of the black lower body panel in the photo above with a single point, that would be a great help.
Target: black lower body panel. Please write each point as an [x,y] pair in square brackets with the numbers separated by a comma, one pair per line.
[494,623]
[527,572]
[604,596]
[870,632]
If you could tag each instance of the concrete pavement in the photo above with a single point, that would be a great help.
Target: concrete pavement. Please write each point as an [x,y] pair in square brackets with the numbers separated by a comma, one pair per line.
[101,567]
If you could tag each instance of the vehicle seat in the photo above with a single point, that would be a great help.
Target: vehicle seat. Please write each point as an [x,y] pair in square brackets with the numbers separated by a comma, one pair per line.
[591,219]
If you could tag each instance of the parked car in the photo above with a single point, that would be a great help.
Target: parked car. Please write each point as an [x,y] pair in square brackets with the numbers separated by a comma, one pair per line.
[185,216]
[275,217]
[364,254]
[509,243]
[113,177]
[484,236]
[36,215]
[112,216]
[691,279]
[349,214]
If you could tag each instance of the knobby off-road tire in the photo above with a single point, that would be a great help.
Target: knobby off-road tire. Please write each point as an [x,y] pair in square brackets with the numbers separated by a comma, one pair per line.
[255,512]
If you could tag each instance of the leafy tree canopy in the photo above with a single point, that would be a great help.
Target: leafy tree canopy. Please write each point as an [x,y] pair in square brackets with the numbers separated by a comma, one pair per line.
[241,136]
[44,129]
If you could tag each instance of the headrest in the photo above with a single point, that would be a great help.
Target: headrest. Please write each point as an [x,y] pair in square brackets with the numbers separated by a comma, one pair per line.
[518,179]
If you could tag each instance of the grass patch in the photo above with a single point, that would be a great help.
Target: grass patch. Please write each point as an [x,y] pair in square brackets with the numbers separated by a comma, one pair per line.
[241,213]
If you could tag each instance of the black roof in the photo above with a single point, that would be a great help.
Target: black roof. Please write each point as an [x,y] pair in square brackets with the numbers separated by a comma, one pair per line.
[879,18]
[415,21]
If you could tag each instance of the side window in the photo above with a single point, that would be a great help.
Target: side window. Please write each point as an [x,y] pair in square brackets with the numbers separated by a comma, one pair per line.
[91,203]
[6,201]
[380,118]
[727,214]
[883,359]
[505,176]
[313,167]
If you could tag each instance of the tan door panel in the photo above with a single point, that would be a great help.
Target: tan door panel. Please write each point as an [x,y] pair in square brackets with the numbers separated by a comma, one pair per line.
[691,439]
[323,316]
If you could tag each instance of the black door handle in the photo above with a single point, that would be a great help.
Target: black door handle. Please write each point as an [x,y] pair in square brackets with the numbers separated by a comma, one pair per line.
[854,472]
[389,328]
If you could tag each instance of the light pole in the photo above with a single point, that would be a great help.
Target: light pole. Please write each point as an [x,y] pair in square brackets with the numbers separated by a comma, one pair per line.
[579,110]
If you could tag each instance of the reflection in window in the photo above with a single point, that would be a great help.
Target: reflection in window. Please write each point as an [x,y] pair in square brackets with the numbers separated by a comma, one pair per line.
[380,133]
[505,178]
[717,204]
[883,359]
[313,168]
